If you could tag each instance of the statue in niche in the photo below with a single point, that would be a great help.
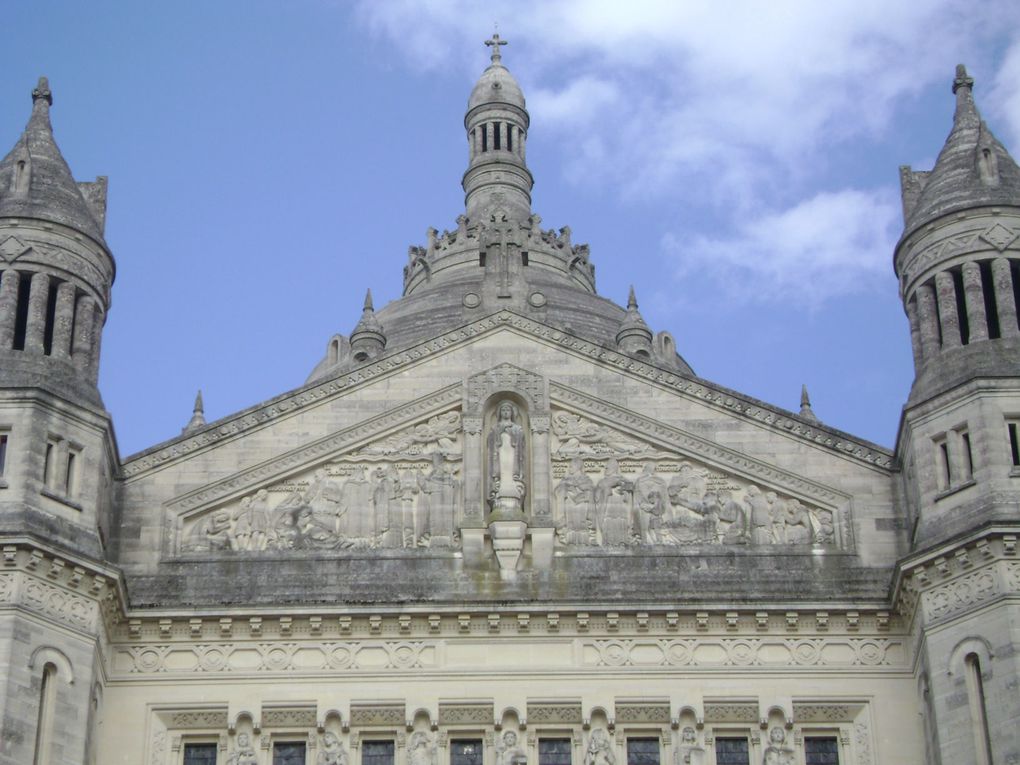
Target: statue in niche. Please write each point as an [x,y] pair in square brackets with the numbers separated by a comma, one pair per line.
[244,752]
[421,750]
[688,752]
[506,460]
[357,514]
[575,495]
[733,513]
[600,749]
[760,516]
[388,509]
[412,523]
[777,752]
[650,494]
[332,751]
[613,497]
[440,498]
[508,751]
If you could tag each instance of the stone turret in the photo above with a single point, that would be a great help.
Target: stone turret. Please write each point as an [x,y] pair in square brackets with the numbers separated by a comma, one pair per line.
[56,272]
[497,128]
[634,337]
[957,263]
[56,267]
[368,338]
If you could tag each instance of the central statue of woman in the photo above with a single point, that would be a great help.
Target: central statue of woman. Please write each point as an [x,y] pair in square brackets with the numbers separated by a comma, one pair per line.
[506,460]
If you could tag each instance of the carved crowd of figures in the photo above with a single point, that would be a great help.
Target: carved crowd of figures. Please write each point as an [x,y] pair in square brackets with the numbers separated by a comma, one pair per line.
[617,509]
[389,507]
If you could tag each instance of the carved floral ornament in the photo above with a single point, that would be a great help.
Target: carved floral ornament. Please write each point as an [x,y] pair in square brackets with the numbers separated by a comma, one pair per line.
[608,487]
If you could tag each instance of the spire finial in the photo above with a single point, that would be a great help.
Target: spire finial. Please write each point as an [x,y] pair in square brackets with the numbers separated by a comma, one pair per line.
[42,91]
[963,80]
[632,299]
[805,405]
[197,415]
[368,300]
[494,42]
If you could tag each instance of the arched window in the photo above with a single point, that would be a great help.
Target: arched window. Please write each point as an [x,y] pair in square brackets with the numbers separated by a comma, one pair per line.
[978,716]
[44,726]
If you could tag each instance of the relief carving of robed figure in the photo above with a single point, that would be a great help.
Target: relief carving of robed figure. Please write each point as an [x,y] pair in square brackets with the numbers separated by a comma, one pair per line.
[506,460]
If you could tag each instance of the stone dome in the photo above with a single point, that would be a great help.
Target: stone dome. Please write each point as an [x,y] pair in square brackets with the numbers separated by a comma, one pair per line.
[496,85]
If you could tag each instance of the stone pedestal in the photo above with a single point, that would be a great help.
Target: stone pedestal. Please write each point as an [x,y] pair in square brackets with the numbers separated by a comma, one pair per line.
[508,542]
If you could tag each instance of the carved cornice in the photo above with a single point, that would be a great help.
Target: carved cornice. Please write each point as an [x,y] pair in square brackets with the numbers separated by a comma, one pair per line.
[316,393]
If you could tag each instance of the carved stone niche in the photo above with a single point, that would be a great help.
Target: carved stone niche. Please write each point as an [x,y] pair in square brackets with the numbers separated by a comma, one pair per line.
[506,469]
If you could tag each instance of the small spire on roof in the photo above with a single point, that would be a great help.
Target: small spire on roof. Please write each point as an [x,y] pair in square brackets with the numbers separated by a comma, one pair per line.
[494,42]
[632,299]
[42,92]
[368,300]
[197,415]
[805,405]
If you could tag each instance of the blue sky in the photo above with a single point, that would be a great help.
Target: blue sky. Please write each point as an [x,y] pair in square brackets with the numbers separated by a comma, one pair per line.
[268,161]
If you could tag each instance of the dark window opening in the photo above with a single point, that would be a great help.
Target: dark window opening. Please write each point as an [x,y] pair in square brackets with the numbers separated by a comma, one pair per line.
[732,751]
[200,754]
[642,751]
[1014,272]
[554,751]
[1014,445]
[509,137]
[21,315]
[70,478]
[3,451]
[821,751]
[979,714]
[48,465]
[968,456]
[524,258]
[376,753]
[19,176]
[961,308]
[289,753]
[497,128]
[466,752]
[485,137]
[947,471]
[481,258]
[51,316]
[988,288]
[938,314]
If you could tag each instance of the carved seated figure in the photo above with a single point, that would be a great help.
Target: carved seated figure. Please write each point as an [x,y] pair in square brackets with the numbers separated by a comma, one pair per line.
[508,752]
[244,753]
[688,752]
[600,750]
[332,751]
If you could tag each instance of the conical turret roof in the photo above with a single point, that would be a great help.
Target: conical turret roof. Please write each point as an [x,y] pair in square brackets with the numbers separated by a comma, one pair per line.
[496,85]
[35,181]
[973,168]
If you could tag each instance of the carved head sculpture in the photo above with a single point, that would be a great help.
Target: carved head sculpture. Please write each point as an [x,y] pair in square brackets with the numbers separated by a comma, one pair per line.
[777,736]
[649,468]
[438,464]
[612,466]
[261,494]
[770,497]
[576,466]
[509,737]
[330,740]
[243,741]
[689,736]
[598,740]
[753,491]
[507,412]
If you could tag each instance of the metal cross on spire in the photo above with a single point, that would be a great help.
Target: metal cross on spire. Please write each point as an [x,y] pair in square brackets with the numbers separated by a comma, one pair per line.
[494,43]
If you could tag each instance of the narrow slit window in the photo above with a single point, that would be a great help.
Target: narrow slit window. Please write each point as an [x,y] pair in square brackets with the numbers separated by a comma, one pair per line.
[19,177]
[524,258]
[988,290]
[732,751]
[1014,268]
[1012,429]
[497,128]
[3,452]
[485,137]
[978,713]
[71,474]
[961,307]
[21,314]
[968,456]
[510,140]
[51,453]
[51,316]
[44,721]
[945,474]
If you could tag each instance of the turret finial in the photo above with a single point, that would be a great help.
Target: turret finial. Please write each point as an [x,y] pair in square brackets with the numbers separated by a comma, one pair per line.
[197,415]
[368,301]
[805,405]
[963,80]
[494,42]
[632,299]
[42,91]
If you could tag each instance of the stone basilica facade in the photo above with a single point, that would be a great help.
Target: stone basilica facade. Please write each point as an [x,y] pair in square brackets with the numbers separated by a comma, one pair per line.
[504,522]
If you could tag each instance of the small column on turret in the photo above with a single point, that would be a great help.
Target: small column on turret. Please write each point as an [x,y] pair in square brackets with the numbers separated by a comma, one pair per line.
[9,282]
[368,338]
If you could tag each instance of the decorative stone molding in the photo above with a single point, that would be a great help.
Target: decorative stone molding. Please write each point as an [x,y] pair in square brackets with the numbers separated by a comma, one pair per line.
[506,378]
[378,715]
[548,714]
[466,714]
[642,713]
[316,393]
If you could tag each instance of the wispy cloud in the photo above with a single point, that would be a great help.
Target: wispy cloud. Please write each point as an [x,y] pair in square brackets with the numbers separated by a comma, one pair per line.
[731,109]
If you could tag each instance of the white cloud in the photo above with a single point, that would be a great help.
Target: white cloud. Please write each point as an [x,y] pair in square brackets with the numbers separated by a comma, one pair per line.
[833,243]
[1006,92]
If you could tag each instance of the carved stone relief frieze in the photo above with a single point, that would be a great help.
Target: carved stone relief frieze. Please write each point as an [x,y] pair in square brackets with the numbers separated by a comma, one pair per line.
[613,490]
[465,714]
[403,491]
